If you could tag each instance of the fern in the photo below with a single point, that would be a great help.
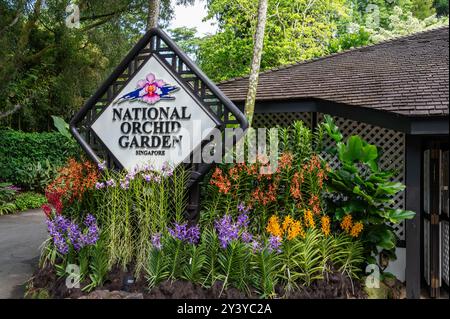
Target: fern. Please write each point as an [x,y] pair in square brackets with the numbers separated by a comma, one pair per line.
[7,208]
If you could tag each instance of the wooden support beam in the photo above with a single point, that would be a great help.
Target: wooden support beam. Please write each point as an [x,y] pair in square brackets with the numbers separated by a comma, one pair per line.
[413,226]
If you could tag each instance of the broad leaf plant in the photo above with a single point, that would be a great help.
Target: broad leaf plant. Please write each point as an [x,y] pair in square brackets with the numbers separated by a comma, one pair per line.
[365,191]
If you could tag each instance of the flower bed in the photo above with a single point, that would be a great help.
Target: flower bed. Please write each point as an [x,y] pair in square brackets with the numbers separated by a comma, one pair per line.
[264,231]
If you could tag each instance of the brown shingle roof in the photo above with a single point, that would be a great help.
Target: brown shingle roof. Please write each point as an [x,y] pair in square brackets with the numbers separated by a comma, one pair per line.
[407,75]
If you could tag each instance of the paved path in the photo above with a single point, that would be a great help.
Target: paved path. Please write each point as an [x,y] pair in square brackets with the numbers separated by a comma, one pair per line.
[21,236]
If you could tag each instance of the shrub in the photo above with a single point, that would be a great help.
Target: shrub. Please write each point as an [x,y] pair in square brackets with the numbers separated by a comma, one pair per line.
[133,206]
[29,200]
[294,187]
[27,158]
[7,193]
[363,193]
[72,182]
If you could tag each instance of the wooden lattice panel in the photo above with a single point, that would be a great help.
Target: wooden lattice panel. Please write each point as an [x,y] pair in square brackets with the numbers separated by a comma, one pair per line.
[269,120]
[392,146]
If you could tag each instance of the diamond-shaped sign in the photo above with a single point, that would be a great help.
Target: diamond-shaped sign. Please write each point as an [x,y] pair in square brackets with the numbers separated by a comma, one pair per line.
[157,107]
[153,120]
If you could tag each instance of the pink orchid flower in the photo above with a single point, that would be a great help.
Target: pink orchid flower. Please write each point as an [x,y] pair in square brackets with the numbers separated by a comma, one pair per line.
[151,89]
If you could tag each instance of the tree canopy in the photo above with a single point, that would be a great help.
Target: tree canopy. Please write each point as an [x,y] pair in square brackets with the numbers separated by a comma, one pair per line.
[49,67]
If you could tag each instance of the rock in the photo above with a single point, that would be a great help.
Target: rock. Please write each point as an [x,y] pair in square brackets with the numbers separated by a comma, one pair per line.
[391,282]
[116,294]
[378,293]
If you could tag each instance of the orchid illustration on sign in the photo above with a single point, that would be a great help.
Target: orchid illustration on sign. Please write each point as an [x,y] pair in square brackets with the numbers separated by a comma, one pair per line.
[151,91]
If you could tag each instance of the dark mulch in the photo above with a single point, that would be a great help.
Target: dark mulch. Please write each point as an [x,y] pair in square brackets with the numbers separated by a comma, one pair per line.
[335,286]
[46,278]
[181,289]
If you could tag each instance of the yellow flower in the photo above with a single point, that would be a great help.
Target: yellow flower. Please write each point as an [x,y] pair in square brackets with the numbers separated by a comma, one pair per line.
[295,229]
[273,227]
[325,221]
[309,219]
[356,229]
[347,223]
[288,220]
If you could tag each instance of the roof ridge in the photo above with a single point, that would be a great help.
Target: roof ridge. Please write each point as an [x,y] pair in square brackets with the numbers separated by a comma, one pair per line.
[355,49]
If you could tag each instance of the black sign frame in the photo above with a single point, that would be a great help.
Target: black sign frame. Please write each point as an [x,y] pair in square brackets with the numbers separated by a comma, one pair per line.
[156,42]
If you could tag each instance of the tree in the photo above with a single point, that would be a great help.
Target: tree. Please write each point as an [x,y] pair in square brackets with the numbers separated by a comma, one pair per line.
[423,9]
[441,7]
[256,61]
[402,23]
[49,68]
[153,13]
[187,40]
[296,30]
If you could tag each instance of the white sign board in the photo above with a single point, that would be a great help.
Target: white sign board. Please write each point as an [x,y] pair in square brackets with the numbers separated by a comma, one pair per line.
[153,120]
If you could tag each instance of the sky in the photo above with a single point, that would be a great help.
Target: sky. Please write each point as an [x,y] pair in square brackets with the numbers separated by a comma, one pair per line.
[192,16]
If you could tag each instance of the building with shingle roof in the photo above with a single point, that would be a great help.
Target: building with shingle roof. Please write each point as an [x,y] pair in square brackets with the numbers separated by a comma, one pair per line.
[394,94]
[407,76]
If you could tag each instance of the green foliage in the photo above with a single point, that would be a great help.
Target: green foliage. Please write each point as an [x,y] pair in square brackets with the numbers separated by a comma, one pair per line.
[441,7]
[300,262]
[349,40]
[157,268]
[48,253]
[62,126]
[296,30]
[365,190]
[7,192]
[36,176]
[11,201]
[29,200]
[187,40]
[130,212]
[31,159]
[48,67]
[344,253]
[246,182]
[98,265]
[265,267]
[7,208]
[423,9]
[209,238]
[307,257]
[403,22]
[192,270]
[233,264]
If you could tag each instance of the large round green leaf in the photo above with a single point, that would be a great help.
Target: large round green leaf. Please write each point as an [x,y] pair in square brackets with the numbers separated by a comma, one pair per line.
[398,215]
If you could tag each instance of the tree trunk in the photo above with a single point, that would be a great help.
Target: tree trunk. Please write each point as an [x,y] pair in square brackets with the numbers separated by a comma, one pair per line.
[153,13]
[256,61]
